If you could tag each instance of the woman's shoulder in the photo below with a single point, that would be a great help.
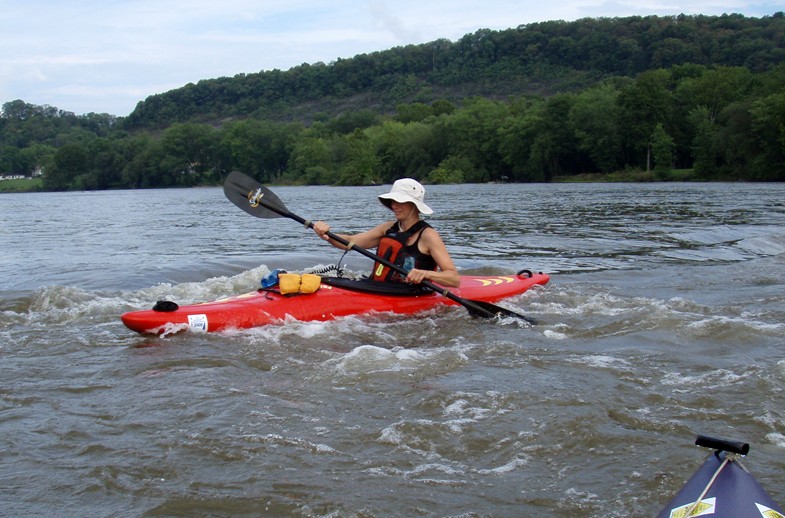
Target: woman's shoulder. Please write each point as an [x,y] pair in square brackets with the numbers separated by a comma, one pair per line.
[430,233]
[381,228]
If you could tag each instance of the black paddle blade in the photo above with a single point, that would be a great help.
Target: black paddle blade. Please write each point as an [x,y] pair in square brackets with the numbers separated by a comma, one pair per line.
[253,197]
[478,308]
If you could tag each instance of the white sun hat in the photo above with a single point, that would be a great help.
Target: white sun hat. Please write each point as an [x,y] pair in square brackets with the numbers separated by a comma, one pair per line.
[407,190]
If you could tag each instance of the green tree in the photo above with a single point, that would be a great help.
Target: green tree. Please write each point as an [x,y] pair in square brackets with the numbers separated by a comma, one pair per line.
[414,112]
[714,89]
[403,150]
[260,148]
[312,159]
[644,104]
[472,133]
[14,161]
[662,150]
[142,157]
[70,161]
[106,164]
[352,120]
[452,169]
[595,117]
[705,144]
[736,140]
[551,136]
[189,152]
[361,163]
[442,107]
[768,127]
[517,137]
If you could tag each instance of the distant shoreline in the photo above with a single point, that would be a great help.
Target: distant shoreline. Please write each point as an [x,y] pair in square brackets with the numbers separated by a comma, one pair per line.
[674,175]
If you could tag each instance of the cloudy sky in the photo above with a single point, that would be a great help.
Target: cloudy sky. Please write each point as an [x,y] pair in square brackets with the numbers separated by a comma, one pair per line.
[104,56]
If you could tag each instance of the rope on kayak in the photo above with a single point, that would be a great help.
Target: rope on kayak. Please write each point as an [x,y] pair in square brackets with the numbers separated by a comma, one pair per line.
[729,457]
[327,269]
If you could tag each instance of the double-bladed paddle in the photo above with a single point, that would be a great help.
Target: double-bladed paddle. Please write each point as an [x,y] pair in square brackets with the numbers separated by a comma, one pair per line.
[257,200]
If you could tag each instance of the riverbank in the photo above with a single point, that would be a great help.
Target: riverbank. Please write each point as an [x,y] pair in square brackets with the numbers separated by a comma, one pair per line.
[21,185]
[631,176]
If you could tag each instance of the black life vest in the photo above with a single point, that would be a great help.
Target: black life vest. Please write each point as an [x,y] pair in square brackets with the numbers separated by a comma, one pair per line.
[394,249]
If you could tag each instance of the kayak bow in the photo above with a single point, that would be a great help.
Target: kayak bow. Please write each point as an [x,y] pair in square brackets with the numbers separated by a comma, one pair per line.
[722,488]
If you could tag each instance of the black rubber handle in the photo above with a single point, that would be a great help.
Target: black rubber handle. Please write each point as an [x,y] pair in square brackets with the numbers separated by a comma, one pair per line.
[741,448]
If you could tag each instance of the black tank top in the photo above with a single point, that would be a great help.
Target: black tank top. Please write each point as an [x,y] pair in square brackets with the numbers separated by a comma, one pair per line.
[393,247]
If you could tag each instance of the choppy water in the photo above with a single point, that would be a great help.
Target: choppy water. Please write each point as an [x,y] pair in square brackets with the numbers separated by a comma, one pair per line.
[664,318]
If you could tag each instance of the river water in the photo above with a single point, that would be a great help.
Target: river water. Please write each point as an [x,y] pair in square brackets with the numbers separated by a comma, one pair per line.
[664,318]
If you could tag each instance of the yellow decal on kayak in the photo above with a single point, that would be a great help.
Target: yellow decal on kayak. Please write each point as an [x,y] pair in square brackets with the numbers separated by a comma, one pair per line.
[701,508]
[241,297]
[228,299]
[496,280]
[767,512]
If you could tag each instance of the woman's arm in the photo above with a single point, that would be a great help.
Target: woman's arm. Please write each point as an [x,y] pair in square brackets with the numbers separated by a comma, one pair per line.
[447,275]
[367,239]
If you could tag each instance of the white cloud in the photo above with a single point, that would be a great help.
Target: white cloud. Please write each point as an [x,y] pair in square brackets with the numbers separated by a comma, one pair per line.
[94,56]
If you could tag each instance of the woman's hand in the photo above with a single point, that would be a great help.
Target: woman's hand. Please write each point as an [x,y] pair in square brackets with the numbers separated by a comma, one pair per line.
[416,276]
[321,228]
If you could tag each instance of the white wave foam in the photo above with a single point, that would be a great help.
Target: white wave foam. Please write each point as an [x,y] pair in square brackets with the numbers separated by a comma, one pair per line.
[589,302]
[715,378]
[280,440]
[776,438]
[602,361]
[722,325]
[555,335]
[425,473]
[208,289]
[372,359]
[394,434]
[56,305]
[517,462]
[472,407]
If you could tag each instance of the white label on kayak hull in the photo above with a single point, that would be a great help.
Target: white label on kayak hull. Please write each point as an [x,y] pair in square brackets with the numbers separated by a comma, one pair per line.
[198,323]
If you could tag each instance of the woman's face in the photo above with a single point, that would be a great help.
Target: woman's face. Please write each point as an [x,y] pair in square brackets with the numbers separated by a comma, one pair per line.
[403,211]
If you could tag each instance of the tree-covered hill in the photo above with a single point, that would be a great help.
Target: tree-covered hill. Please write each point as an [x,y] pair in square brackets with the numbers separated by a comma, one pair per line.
[538,58]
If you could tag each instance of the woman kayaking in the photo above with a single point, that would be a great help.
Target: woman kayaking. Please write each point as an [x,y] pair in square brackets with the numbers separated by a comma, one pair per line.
[407,242]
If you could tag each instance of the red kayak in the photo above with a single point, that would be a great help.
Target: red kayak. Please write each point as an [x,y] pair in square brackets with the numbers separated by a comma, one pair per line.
[335,298]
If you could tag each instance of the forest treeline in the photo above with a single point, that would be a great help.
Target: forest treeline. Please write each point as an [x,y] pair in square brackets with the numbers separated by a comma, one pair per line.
[534,103]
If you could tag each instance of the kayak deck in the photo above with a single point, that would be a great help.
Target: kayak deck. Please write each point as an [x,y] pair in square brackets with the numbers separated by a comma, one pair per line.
[721,487]
[263,307]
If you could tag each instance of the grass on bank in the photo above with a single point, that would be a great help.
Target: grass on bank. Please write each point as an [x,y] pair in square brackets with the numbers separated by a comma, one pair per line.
[632,176]
[22,185]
